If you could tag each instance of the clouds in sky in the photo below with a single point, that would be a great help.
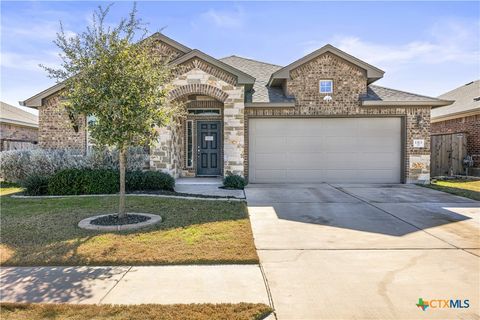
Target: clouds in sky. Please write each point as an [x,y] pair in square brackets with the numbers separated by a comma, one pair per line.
[231,18]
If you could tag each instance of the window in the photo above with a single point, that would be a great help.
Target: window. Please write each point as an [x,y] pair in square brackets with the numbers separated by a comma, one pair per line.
[326,86]
[91,119]
[204,112]
[189,144]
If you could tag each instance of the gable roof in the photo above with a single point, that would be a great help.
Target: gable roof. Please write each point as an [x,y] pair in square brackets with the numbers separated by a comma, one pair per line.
[262,71]
[381,96]
[242,77]
[466,101]
[177,45]
[373,73]
[17,116]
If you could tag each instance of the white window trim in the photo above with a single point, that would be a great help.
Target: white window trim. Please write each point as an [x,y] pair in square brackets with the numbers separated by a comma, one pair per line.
[320,86]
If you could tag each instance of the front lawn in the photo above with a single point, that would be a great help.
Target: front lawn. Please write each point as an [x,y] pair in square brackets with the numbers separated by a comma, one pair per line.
[11,311]
[464,188]
[44,232]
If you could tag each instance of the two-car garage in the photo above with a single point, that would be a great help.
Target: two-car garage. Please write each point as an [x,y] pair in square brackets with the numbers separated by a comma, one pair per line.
[336,150]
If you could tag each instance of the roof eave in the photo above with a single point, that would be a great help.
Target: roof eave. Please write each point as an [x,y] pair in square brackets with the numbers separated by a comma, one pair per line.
[270,104]
[36,100]
[242,77]
[456,115]
[382,103]
[373,73]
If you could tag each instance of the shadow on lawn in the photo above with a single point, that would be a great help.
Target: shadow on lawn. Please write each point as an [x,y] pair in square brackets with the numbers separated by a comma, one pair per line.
[57,284]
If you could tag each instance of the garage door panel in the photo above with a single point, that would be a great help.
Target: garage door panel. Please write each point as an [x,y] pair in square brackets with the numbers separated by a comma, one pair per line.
[344,150]
[340,144]
[303,143]
[305,160]
[305,176]
[271,161]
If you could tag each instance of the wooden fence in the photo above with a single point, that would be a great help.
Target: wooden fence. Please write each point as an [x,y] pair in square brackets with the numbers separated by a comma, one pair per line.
[448,152]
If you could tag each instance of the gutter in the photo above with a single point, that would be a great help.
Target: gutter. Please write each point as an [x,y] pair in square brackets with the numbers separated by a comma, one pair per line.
[456,115]
[381,103]
[270,105]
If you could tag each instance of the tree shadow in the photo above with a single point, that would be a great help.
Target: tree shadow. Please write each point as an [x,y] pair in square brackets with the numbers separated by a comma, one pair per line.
[58,284]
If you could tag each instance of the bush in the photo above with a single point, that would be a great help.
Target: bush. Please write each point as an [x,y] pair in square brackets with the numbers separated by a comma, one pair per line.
[106,181]
[149,180]
[18,165]
[234,181]
[35,185]
[84,181]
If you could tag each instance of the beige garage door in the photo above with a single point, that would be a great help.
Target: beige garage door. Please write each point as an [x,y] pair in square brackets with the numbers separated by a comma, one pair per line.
[347,150]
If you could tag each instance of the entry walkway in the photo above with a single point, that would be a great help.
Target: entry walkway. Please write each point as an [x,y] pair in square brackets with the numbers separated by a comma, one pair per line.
[134,285]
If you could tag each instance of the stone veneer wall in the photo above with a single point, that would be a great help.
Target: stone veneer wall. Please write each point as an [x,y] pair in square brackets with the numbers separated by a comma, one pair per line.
[349,83]
[56,129]
[198,77]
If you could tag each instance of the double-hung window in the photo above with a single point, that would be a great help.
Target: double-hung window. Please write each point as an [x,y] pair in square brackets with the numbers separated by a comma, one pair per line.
[326,86]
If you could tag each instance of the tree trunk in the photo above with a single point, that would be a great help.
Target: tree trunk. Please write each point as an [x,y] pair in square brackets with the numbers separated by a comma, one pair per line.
[121,207]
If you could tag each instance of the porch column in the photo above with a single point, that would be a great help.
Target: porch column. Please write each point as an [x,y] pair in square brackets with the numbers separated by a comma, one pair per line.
[233,131]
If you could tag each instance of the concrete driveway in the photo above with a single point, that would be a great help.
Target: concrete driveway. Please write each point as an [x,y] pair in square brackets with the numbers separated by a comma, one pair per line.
[366,251]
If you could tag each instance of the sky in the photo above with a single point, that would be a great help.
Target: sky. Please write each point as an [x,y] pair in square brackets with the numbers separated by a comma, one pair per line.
[424,47]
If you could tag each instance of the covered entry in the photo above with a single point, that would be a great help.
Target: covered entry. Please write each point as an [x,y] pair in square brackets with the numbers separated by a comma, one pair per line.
[343,150]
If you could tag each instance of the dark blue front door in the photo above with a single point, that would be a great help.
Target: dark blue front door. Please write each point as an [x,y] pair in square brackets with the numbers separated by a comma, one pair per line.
[208,148]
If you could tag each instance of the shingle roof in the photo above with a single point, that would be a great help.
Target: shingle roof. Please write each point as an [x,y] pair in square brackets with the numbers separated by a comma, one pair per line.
[14,115]
[261,71]
[464,98]
[381,95]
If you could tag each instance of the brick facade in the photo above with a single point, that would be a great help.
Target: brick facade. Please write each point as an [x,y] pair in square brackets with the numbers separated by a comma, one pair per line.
[349,83]
[197,77]
[15,135]
[57,129]
[469,125]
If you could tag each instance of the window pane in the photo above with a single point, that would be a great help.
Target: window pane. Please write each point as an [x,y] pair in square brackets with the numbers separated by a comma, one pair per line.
[189,144]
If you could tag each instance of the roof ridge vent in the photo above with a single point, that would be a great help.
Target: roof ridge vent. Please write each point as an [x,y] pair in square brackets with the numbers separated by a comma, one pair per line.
[469,83]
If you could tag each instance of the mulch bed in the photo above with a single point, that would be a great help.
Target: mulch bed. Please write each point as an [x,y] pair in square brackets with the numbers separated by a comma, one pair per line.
[114,220]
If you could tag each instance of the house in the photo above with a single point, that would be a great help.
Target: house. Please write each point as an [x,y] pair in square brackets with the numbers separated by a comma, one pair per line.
[18,128]
[462,116]
[318,119]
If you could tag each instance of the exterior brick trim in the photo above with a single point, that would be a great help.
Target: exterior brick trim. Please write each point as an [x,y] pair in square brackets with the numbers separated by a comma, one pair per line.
[198,88]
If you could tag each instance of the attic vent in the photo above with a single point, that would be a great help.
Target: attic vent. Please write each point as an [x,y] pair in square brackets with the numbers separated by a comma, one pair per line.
[476,99]
[469,83]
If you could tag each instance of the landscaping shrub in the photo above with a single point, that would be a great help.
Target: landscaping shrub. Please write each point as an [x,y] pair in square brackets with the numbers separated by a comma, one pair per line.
[84,181]
[234,181]
[106,181]
[35,185]
[18,165]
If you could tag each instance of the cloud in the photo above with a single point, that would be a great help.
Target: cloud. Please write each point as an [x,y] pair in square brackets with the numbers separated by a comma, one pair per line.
[449,42]
[225,19]
[27,62]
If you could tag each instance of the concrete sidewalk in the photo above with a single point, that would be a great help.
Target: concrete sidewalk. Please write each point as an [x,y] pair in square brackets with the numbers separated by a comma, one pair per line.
[134,285]
[206,187]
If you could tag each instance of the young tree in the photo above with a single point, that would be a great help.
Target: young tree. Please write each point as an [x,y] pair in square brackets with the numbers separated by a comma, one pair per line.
[113,74]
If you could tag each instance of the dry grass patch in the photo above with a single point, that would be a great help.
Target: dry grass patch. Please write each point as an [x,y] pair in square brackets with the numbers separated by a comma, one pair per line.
[38,232]
[11,311]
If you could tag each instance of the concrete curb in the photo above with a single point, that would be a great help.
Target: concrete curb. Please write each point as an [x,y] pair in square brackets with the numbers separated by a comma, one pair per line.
[130,195]
[86,223]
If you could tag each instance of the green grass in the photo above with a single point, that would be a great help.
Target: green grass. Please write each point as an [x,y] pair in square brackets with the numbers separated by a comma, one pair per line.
[464,188]
[45,232]
[240,311]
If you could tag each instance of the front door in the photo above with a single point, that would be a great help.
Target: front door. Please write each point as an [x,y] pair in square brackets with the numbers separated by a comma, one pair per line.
[208,148]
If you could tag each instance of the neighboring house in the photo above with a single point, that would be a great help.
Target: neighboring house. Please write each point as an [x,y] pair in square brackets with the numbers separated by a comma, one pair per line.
[18,128]
[318,119]
[463,116]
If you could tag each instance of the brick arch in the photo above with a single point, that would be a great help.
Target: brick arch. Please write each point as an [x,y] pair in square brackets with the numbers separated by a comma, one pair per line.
[198,88]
